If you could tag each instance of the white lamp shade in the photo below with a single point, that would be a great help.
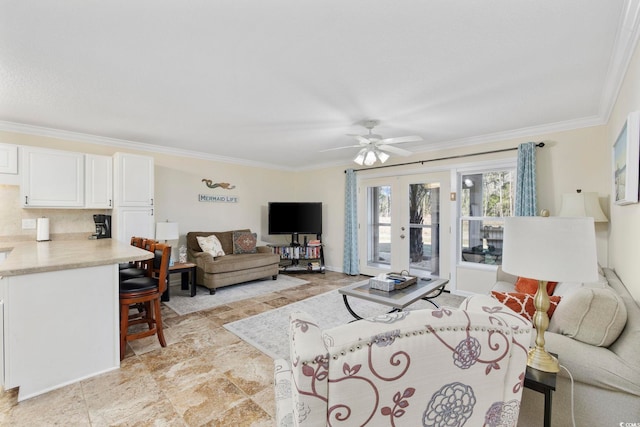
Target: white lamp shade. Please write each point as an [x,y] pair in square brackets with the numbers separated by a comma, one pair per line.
[383,156]
[167,231]
[553,249]
[369,158]
[582,204]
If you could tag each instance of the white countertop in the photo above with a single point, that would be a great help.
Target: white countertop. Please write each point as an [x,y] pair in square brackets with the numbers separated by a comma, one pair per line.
[37,257]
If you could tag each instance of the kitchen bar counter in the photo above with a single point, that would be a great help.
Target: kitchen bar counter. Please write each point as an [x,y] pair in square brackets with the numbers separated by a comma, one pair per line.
[59,311]
[37,257]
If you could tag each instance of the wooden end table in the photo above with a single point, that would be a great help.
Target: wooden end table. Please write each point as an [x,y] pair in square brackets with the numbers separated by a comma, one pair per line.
[542,382]
[186,269]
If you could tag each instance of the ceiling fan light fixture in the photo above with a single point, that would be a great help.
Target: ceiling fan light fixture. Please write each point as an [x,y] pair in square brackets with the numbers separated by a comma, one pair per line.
[374,147]
[370,158]
[383,156]
[359,159]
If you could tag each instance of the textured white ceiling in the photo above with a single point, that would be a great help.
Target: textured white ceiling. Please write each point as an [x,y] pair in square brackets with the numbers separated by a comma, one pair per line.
[274,82]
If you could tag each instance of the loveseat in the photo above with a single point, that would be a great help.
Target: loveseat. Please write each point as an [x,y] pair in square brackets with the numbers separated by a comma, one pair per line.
[601,353]
[448,366]
[240,263]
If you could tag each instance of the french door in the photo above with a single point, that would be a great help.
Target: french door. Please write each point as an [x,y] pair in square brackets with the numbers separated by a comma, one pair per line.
[404,225]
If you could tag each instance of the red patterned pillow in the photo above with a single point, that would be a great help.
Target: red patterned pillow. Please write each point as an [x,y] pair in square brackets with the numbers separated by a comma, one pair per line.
[522,303]
[530,286]
[244,242]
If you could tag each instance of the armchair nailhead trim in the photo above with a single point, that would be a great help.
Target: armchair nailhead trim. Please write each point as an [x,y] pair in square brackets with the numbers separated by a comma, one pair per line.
[379,339]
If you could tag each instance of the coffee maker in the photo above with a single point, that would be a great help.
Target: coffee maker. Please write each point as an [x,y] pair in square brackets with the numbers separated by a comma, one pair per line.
[103,226]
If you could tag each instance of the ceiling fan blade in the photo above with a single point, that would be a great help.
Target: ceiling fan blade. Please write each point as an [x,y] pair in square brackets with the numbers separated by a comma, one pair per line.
[340,148]
[394,150]
[401,139]
[361,139]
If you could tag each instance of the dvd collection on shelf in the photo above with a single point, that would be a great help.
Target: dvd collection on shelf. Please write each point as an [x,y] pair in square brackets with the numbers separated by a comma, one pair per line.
[297,252]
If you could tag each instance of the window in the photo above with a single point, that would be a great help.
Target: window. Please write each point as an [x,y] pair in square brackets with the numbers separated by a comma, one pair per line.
[379,225]
[485,199]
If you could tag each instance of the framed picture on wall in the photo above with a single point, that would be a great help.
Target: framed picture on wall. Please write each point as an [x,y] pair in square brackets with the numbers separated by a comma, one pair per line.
[626,159]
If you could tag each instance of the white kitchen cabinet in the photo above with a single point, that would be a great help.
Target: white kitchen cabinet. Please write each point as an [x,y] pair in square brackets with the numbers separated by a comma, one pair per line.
[134,212]
[128,222]
[98,182]
[51,178]
[134,180]
[8,158]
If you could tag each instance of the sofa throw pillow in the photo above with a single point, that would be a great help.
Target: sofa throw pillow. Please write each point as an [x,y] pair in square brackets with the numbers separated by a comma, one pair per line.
[244,242]
[565,288]
[530,286]
[594,316]
[211,245]
[522,303]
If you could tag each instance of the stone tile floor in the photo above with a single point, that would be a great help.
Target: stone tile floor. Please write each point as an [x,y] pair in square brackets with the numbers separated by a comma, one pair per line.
[206,376]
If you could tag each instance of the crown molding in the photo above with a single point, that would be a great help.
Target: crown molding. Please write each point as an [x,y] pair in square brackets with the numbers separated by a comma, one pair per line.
[126,144]
[532,131]
[623,48]
[441,145]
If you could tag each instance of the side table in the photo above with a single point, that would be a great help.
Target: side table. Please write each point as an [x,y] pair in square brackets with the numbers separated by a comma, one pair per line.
[542,382]
[186,269]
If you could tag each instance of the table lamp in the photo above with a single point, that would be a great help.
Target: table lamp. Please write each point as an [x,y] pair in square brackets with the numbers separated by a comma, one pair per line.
[558,249]
[167,231]
[582,204]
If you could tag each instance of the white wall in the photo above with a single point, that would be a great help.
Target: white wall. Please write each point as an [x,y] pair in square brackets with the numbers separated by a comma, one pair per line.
[625,220]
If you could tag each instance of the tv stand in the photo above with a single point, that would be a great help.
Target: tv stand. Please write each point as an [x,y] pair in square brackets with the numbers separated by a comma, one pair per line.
[297,258]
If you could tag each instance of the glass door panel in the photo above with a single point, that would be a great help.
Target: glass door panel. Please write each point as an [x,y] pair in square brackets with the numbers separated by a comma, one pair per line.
[424,228]
[401,222]
[379,226]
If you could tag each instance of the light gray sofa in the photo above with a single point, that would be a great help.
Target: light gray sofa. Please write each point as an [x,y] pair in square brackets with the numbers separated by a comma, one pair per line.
[606,391]
[231,268]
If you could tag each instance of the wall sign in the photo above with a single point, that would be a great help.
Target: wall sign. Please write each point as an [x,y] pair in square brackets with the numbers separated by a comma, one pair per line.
[217,199]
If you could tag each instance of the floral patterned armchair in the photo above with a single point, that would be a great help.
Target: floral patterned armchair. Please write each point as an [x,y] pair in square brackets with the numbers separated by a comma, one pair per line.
[448,366]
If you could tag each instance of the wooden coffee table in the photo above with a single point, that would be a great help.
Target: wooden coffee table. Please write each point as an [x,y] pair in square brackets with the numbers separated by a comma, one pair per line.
[425,290]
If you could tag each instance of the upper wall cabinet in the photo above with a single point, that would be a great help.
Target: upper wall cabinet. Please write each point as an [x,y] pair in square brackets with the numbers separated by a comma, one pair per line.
[52,178]
[98,184]
[133,180]
[8,158]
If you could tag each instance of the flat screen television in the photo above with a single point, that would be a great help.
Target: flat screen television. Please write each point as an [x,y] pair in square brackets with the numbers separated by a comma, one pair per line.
[295,218]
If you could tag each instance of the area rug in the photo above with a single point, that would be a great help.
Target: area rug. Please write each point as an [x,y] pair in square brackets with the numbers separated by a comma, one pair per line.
[182,303]
[269,331]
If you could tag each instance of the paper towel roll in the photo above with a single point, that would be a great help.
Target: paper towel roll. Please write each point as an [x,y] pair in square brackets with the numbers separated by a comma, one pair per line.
[42,232]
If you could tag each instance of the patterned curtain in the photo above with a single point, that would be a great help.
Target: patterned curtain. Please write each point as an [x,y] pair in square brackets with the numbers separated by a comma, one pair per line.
[350,257]
[526,180]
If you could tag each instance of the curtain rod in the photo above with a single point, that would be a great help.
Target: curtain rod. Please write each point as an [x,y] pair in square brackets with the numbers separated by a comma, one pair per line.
[539,144]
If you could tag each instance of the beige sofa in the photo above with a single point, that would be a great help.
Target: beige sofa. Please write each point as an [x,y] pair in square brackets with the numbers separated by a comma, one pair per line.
[231,268]
[607,377]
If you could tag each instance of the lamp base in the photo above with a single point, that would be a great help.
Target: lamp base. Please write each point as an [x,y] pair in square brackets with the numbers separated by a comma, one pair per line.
[539,359]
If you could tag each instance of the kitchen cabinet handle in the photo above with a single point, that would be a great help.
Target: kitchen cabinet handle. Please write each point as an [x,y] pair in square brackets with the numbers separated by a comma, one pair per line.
[26,200]
[109,202]
[151,212]
[151,202]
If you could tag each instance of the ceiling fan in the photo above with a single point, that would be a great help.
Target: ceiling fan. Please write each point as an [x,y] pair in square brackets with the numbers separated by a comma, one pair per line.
[374,147]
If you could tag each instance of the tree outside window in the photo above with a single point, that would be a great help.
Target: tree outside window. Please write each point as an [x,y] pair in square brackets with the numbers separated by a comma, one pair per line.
[485,199]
